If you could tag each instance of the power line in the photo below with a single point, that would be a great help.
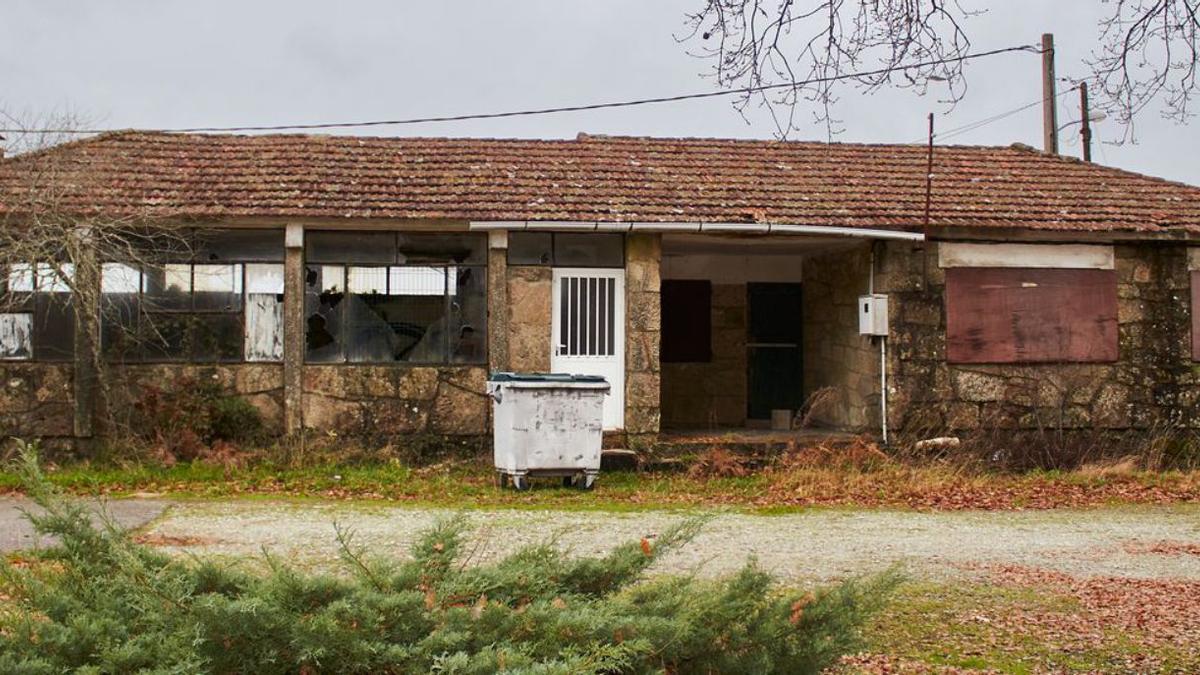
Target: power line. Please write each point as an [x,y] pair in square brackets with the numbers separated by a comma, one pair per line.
[978,124]
[562,109]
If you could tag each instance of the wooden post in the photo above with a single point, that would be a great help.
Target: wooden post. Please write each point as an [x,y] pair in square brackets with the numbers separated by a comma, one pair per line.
[293,330]
[1086,116]
[87,336]
[1049,96]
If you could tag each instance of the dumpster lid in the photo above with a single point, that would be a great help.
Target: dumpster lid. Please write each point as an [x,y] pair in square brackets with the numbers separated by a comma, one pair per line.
[544,377]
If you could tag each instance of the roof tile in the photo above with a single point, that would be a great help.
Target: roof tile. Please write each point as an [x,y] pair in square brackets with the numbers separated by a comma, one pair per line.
[596,178]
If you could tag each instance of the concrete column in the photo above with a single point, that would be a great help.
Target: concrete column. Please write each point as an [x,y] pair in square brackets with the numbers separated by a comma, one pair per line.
[643,312]
[87,336]
[497,324]
[293,330]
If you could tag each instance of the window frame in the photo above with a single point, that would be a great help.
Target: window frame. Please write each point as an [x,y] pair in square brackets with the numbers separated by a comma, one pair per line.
[401,262]
[199,240]
[554,262]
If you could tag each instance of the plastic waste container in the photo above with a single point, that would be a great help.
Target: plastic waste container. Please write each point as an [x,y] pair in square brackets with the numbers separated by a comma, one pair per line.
[547,424]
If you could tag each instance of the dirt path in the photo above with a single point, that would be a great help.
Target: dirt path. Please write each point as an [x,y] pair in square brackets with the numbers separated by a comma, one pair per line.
[16,532]
[1134,542]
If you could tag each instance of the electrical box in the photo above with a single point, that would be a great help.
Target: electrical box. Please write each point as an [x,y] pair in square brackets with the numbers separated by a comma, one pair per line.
[873,314]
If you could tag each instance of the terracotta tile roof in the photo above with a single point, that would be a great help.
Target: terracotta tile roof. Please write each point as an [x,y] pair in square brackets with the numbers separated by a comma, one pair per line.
[600,178]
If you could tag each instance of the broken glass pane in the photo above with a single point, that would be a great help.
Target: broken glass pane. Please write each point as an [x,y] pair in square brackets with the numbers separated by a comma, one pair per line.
[323,302]
[468,314]
[350,247]
[16,336]
[442,248]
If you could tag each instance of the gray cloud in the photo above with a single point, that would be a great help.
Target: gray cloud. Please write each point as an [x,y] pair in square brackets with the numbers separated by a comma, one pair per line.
[170,63]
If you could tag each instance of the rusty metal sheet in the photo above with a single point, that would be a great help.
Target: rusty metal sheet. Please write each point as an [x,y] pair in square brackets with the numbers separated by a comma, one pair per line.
[1025,315]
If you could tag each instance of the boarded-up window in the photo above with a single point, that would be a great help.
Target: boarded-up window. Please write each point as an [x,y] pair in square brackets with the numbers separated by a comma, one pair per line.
[1025,315]
[686,321]
[1196,316]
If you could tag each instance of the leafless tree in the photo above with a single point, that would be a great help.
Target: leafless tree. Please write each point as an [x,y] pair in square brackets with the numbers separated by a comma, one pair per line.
[809,50]
[51,239]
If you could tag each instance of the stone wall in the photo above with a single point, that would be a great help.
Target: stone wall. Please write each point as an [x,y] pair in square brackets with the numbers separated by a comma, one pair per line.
[713,394]
[1154,382]
[380,401]
[836,358]
[261,384]
[37,399]
[529,307]
[643,323]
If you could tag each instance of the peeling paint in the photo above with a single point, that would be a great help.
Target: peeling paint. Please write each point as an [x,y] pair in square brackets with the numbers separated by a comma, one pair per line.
[16,336]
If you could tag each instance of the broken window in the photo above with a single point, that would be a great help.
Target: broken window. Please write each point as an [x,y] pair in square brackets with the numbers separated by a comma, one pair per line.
[226,304]
[567,249]
[40,324]
[424,307]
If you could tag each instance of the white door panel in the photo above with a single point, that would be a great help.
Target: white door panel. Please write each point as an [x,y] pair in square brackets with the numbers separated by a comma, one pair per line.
[589,331]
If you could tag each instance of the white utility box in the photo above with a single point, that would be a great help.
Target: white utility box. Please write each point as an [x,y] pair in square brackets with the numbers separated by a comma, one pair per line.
[873,314]
[547,425]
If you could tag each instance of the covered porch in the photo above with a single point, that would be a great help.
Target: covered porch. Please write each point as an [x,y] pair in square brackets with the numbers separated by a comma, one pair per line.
[756,325]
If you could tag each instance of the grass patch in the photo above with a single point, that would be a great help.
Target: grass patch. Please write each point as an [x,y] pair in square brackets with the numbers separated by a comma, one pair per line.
[778,489]
[1011,630]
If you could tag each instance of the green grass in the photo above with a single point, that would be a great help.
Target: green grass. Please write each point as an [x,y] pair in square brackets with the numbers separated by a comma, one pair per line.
[471,483]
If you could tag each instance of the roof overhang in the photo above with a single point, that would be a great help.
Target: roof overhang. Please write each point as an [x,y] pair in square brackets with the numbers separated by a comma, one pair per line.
[695,228]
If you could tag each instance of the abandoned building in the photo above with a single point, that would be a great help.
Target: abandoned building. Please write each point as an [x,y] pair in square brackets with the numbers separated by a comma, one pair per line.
[370,284]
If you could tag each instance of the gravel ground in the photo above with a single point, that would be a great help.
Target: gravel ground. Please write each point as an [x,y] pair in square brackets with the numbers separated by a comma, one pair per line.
[815,545]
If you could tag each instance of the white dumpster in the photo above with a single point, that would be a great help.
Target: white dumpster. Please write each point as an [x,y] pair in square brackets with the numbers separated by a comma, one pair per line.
[547,425]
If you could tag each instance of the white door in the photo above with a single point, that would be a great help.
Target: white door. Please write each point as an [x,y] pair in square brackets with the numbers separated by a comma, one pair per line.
[589,331]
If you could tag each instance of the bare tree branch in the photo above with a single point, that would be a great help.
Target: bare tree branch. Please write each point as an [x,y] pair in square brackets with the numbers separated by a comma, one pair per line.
[1146,53]
[753,43]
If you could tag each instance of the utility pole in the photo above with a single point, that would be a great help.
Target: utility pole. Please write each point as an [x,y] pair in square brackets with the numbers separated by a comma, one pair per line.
[1085,114]
[1049,95]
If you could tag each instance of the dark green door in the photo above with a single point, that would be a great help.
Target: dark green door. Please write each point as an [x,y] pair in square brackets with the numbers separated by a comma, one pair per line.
[773,344]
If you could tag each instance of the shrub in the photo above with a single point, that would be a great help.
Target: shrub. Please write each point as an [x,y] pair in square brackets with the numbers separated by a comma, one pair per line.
[233,418]
[106,604]
[190,417]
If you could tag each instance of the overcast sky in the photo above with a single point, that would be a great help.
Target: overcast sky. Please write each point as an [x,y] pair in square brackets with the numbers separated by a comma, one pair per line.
[174,63]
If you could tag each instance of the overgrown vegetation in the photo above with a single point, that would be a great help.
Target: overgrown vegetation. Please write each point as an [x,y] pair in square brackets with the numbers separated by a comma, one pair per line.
[194,418]
[106,604]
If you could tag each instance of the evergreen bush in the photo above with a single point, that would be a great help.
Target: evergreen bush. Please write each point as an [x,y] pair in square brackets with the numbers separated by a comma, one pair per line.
[103,604]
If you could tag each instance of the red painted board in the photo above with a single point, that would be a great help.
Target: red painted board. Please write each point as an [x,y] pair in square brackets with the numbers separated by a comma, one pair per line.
[1025,315]
[1196,316]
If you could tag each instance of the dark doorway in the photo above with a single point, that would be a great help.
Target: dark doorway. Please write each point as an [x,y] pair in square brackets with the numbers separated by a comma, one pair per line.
[773,340]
